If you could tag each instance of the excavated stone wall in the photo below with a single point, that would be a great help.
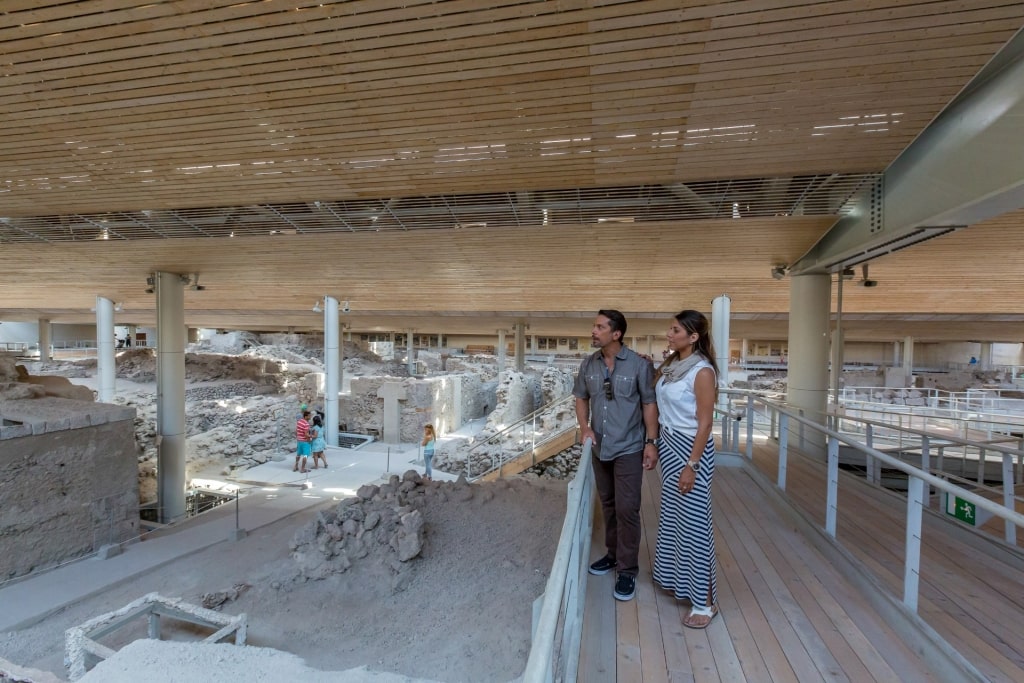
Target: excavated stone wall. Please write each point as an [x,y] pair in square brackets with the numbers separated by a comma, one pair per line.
[446,401]
[68,481]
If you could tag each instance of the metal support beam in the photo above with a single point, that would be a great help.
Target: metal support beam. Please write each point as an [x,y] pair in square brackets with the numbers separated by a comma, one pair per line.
[962,169]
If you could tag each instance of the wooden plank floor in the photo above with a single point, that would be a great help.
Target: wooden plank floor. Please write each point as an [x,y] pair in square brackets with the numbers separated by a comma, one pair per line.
[786,613]
[974,600]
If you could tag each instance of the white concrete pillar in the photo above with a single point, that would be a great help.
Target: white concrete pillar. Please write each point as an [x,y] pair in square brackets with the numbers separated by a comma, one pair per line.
[341,358]
[410,358]
[721,309]
[501,351]
[908,356]
[650,345]
[743,351]
[170,395]
[332,365]
[45,340]
[809,321]
[520,330]
[836,364]
[895,353]
[837,345]
[105,361]
[533,344]
[986,356]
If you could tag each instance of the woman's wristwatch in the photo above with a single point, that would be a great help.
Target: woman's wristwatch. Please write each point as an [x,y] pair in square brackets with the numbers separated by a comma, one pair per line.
[650,442]
[693,465]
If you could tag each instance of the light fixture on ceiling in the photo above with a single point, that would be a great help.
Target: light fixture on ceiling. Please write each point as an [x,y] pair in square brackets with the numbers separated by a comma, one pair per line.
[150,284]
[119,306]
[345,307]
[317,308]
[779,271]
[848,273]
[194,283]
[866,281]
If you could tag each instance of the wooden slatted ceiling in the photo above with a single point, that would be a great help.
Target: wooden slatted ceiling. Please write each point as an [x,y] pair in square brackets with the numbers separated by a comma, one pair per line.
[479,280]
[113,106]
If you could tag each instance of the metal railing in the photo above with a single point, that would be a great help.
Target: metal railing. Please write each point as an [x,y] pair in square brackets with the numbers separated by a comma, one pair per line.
[558,629]
[518,438]
[920,481]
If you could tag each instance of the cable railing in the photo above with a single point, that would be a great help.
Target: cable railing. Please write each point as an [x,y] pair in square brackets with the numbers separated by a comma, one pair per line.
[791,423]
[526,435]
[555,653]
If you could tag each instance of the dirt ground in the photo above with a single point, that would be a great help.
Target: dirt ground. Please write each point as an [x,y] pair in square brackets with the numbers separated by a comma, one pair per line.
[464,615]
[462,612]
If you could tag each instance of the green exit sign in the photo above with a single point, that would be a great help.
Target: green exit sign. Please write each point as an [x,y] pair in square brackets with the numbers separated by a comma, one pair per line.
[961,509]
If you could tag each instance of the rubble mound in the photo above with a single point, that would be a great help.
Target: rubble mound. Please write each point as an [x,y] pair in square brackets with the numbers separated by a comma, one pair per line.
[139,365]
[380,524]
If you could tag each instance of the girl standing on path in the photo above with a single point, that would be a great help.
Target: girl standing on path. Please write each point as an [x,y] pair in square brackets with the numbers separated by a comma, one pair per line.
[319,444]
[428,443]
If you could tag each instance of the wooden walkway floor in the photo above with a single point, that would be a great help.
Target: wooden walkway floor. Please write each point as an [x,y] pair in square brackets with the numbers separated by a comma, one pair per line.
[787,613]
[971,587]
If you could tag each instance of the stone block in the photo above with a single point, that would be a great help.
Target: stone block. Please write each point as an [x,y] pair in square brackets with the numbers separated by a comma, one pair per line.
[108,551]
[15,431]
[79,421]
[60,424]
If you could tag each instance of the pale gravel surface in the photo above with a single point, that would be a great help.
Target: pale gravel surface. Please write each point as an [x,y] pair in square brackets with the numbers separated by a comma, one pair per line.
[464,616]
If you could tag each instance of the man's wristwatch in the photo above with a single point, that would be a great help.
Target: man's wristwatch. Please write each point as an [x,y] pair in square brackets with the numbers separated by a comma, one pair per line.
[650,441]
[693,465]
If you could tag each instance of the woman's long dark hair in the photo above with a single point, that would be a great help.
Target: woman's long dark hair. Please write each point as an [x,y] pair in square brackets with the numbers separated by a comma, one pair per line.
[694,322]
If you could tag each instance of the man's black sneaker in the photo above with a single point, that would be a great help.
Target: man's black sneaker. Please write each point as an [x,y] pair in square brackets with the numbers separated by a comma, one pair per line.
[625,586]
[602,566]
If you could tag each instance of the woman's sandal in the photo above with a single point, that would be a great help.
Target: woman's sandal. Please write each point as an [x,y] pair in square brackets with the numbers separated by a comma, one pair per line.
[700,612]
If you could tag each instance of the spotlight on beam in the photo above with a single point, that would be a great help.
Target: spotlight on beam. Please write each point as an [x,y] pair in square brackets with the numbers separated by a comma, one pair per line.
[317,308]
[779,272]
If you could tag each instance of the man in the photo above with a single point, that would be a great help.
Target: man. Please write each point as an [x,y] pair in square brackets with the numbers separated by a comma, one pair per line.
[616,407]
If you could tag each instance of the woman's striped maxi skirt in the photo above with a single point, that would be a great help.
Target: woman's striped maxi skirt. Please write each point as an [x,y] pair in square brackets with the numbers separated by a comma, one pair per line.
[684,555]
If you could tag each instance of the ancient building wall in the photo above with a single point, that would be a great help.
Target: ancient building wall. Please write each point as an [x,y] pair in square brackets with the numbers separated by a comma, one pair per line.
[68,481]
[447,402]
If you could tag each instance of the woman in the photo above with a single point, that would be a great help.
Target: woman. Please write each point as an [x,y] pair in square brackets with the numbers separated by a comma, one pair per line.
[319,444]
[429,439]
[686,385]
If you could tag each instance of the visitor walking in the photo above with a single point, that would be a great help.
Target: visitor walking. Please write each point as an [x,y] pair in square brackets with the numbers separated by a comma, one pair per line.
[686,384]
[428,443]
[319,444]
[616,408]
[303,447]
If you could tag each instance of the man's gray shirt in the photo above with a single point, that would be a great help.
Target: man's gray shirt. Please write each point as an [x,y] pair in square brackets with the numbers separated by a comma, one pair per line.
[618,422]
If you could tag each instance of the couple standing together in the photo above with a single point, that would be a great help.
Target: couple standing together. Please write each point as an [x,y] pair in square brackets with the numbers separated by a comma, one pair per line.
[638,416]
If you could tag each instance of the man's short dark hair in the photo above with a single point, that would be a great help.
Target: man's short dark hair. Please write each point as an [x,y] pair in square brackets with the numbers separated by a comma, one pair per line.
[617,320]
